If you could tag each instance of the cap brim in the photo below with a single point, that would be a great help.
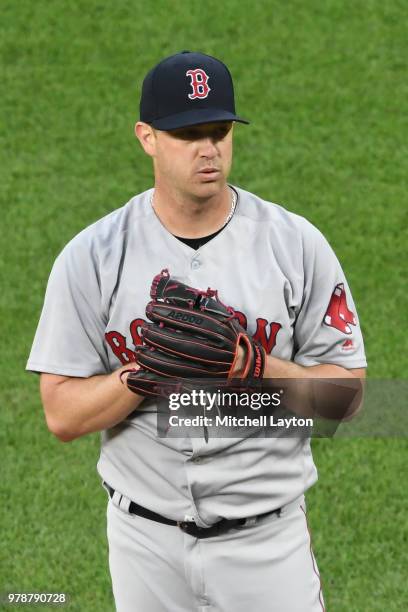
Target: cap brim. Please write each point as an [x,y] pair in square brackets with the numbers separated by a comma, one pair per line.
[195,117]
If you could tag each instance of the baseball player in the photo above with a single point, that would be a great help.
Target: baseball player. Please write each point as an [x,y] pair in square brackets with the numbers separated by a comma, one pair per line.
[195,523]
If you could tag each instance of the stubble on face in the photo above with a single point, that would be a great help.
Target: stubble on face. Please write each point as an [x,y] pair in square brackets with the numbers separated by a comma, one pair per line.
[194,162]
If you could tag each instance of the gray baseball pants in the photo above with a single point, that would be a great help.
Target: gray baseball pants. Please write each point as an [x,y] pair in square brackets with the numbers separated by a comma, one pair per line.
[265,567]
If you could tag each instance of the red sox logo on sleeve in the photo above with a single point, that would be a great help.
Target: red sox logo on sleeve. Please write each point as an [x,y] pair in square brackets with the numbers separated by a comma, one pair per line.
[338,314]
[199,83]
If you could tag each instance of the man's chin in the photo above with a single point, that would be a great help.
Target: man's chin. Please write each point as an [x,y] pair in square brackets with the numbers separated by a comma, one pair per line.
[209,189]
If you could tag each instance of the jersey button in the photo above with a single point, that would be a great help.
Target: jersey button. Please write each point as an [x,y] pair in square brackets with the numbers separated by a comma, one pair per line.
[195,264]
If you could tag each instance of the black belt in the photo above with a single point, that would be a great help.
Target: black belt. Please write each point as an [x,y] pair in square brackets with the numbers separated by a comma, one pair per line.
[189,526]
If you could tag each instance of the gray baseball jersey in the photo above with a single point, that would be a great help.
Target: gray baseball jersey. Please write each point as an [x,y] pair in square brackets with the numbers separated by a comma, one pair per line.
[271,265]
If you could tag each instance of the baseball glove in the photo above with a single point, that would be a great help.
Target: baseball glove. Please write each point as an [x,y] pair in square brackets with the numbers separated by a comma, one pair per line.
[192,335]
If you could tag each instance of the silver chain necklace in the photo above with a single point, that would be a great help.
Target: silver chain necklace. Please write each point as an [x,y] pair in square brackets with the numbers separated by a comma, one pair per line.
[230,214]
[233,206]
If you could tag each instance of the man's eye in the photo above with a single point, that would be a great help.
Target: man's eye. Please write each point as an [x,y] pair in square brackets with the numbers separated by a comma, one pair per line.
[194,134]
[220,134]
[186,135]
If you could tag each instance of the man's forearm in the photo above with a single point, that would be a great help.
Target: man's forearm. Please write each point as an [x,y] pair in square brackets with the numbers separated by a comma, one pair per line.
[78,406]
[307,395]
[280,368]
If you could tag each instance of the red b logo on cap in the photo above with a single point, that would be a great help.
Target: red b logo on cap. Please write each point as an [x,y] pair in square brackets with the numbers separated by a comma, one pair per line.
[199,80]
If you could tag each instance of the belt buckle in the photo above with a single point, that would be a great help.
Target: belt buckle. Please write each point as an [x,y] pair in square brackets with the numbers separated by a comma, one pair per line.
[189,527]
[194,530]
[185,525]
[182,525]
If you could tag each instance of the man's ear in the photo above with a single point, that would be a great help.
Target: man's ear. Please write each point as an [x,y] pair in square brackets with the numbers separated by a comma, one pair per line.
[146,136]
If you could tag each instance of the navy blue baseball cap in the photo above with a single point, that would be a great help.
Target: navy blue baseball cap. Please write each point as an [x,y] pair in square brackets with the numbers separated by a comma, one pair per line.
[188,89]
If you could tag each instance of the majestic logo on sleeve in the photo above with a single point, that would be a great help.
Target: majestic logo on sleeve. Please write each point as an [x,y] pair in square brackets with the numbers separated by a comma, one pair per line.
[338,314]
[199,83]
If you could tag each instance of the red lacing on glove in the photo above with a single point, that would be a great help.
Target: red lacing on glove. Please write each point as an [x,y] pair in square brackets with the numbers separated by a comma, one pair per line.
[155,282]
[197,293]
[233,314]
[213,293]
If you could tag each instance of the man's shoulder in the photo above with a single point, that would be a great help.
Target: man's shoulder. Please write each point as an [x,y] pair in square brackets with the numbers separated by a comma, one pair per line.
[114,226]
[263,211]
[119,220]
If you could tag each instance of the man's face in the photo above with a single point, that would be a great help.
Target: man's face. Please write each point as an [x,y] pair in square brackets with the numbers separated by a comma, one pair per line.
[194,161]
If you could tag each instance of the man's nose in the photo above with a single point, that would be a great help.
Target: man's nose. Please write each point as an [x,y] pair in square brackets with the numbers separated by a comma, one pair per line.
[207,147]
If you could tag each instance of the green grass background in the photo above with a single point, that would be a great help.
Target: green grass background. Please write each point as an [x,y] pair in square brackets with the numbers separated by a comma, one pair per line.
[325,86]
